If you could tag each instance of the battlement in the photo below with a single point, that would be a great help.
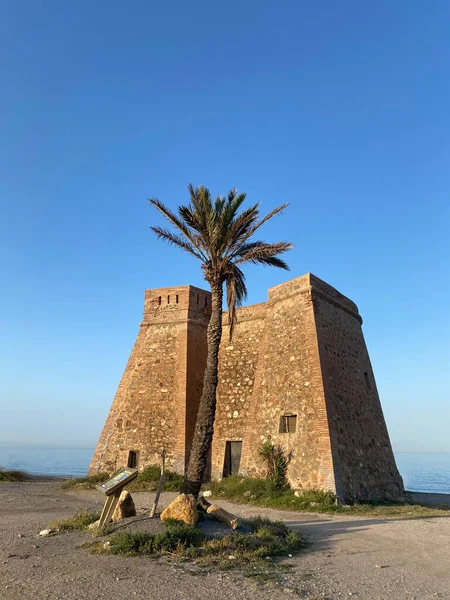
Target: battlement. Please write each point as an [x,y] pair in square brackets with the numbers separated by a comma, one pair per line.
[309,283]
[305,284]
[175,304]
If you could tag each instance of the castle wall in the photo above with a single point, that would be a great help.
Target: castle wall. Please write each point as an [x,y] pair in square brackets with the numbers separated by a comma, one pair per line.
[150,411]
[364,462]
[290,384]
[272,369]
[238,365]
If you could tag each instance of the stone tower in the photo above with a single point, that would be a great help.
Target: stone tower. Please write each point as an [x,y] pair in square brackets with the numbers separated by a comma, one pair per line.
[156,402]
[297,373]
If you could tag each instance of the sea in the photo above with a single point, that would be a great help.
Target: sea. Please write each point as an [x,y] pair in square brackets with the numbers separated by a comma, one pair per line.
[421,471]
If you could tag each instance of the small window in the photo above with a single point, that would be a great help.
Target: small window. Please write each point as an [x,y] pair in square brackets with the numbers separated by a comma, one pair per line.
[133,459]
[176,299]
[159,300]
[198,298]
[206,300]
[366,377]
[288,423]
[168,299]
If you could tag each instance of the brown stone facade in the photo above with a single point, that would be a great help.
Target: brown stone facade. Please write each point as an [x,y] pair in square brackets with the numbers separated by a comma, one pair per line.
[297,373]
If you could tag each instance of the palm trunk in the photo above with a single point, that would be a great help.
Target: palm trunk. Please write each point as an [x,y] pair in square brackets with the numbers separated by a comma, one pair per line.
[204,426]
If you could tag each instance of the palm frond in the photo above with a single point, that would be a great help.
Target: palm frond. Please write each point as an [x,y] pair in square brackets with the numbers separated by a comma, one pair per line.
[190,235]
[236,293]
[226,219]
[239,227]
[252,230]
[201,214]
[262,253]
[175,240]
[220,203]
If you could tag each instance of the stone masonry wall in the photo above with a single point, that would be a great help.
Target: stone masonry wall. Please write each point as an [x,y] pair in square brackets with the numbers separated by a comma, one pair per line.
[288,382]
[238,362]
[149,411]
[364,462]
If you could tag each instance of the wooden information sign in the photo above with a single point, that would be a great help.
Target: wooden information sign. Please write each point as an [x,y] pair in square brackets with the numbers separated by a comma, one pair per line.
[113,488]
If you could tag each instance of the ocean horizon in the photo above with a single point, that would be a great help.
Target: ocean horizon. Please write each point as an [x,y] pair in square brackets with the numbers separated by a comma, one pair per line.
[421,471]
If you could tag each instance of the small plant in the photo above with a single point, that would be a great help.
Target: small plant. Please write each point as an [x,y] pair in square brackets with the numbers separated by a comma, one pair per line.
[85,482]
[80,521]
[149,477]
[12,475]
[277,460]
[177,537]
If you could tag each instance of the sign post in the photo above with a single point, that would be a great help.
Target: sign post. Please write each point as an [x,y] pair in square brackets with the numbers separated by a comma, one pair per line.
[113,488]
[160,483]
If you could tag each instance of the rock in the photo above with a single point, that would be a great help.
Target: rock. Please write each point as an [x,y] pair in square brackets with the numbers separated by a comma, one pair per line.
[183,508]
[125,508]
[94,525]
[207,494]
[46,532]
[297,493]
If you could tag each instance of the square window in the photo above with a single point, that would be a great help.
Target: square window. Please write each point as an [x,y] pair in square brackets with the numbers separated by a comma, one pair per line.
[288,423]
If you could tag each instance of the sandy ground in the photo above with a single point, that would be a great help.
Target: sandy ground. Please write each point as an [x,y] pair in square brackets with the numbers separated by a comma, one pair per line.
[370,559]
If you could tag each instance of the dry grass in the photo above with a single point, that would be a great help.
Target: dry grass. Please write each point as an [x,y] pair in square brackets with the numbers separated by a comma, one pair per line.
[261,492]
[80,521]
[259,541]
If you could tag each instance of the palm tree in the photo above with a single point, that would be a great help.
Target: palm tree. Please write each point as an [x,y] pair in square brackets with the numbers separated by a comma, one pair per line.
[220,237]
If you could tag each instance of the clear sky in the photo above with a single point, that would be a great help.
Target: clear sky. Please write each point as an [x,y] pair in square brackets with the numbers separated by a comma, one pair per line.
[339,108]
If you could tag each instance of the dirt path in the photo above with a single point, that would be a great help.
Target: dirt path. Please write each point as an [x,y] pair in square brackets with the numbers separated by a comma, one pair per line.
[370,559]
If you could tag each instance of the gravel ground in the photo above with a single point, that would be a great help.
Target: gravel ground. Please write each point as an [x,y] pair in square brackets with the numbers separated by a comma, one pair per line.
[371,559]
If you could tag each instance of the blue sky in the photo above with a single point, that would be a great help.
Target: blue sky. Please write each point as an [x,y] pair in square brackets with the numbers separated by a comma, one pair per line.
[339,108]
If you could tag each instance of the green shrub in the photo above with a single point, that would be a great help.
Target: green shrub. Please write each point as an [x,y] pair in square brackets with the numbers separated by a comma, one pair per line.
[175,538]
[264,492]
[148,478]
[80,521]
[12,475]
[293,540]
[150,473]
[267,538]
[244,489]
[277,461]
[85,482]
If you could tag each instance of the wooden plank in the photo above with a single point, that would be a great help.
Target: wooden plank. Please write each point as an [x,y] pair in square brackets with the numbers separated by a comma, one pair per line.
[108,502]
[111,502]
